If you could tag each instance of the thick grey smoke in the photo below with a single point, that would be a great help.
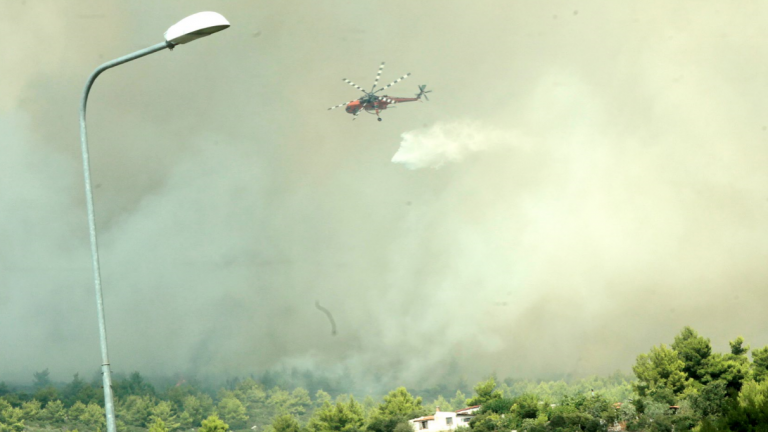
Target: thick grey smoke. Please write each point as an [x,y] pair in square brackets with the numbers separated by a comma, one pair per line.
[614,191]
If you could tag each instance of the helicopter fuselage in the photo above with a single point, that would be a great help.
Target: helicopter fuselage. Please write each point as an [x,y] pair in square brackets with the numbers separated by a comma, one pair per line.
[379,105]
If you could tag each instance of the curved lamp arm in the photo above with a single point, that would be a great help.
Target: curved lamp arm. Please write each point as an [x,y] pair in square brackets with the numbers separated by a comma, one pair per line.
[109,407]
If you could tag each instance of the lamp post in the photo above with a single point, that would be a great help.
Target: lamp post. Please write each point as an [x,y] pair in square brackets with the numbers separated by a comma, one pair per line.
[190,28]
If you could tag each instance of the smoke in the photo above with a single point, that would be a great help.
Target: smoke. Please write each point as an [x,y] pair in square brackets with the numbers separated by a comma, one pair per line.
[447,143]
[609,189]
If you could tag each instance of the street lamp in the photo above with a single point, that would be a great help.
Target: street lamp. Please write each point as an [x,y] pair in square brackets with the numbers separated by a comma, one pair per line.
[190,28]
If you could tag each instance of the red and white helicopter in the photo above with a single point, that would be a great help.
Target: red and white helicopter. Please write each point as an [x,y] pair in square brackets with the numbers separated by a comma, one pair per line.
[373,103]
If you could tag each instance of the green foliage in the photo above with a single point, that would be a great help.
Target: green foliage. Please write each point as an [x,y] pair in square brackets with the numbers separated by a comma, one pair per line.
[233,412]
[485,391]
[493,422]
[398,407]
[339,417]
[285,423]
[195,410]
[459,401]
[54,413]
[760,364]
[94,417]
[660,374]
[406,427]
[751,412]
[134,385]
[42,379]
[710,400]
[282,402]
[11,419]
[693,351]
[76,411]
[321,398]
[79,390]
[400,403]
[135,410]
[498,406]
[158,426]
[730,369]
[526,406]
[443,404]
[738,348]
[213,424]
[31,410]
[164,413]
[615,387]
[714,391]
[46,394]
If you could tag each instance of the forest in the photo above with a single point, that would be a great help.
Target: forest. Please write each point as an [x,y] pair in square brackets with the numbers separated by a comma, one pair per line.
[680,386]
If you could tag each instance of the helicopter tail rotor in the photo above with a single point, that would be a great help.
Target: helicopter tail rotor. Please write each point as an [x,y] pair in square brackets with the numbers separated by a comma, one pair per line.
[422,92]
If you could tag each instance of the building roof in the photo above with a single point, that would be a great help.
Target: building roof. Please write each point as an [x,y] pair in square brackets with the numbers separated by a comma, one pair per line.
[425,418]
[467,409]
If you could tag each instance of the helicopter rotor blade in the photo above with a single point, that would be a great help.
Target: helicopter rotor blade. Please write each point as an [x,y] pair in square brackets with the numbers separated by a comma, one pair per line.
[423,92]
[357,113]
[393,82]
[378,75]
[354,85]
[341,105]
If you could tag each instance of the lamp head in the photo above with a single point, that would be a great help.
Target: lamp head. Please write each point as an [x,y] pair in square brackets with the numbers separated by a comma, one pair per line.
[195,26]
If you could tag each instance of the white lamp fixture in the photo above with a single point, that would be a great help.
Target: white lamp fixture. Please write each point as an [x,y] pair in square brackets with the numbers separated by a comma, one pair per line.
[195,26]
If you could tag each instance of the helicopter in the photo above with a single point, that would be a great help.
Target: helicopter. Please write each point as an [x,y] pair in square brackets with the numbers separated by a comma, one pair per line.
[373,103]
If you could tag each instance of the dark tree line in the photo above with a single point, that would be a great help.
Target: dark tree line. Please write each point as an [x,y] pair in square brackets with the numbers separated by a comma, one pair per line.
[683,386]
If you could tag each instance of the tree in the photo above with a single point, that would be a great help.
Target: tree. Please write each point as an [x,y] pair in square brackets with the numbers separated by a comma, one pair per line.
[285,423]
[76,411]
[493,422]
[195,410]
[46,394]
[31,410]
[442,404]
[134,385]
[321,398]
[398,407]
[524,407]
[752,408]
[693,350]
[233,412]
[660,374]
[11,420]
[42,379]
[339,417]
[732,370]
[79,390]
[93,416]
[400,403]
[54,412]
[710,400]
[459,401]
[213,424]
[760,363]
[406,427]
[135,410]
[158,426]
[738,348]
[163,413]
[485,391]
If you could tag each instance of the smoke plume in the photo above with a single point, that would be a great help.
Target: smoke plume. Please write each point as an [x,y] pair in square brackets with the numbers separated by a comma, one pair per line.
[602,184]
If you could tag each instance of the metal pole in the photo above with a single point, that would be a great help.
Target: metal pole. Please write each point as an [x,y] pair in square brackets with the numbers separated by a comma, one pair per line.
[109,407]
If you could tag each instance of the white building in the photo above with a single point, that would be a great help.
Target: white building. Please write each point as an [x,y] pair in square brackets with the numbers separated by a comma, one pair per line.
[444,420]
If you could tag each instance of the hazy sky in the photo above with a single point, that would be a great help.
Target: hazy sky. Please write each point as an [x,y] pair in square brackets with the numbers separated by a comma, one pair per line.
[587,178]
